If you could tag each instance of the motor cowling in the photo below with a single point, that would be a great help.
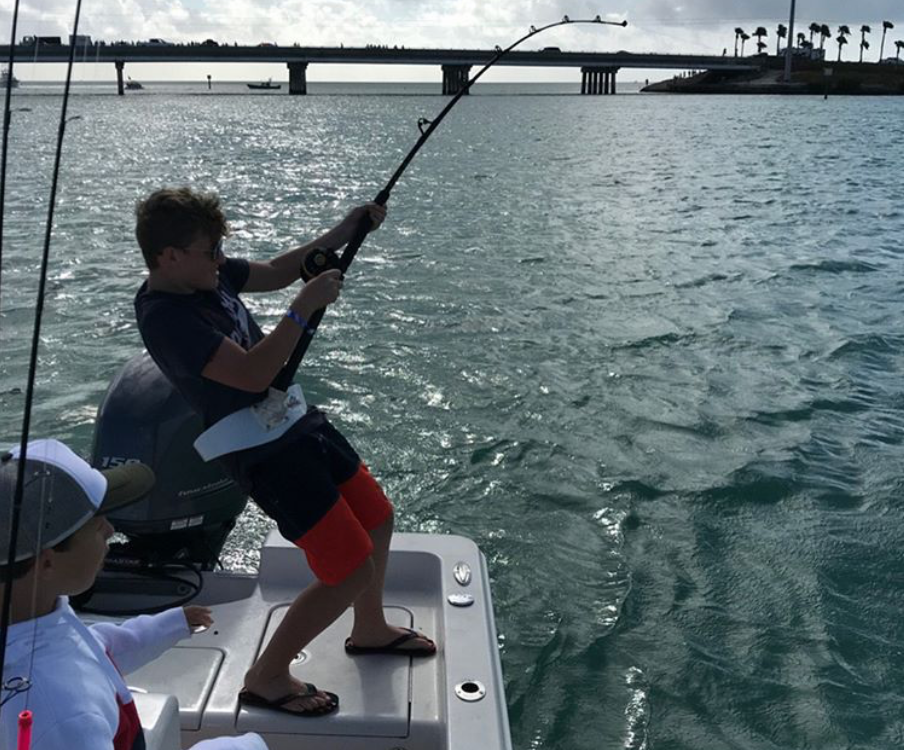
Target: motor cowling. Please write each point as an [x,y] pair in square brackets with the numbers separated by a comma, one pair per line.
[193,505]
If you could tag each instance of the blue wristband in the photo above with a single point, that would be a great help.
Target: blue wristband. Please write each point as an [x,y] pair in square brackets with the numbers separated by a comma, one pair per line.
[294,316]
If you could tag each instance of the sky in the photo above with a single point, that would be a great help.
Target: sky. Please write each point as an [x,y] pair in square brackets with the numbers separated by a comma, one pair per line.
[688,26]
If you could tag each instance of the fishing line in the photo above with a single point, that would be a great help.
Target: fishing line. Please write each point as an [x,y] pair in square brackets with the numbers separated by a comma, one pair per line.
[35,342]
[284,378]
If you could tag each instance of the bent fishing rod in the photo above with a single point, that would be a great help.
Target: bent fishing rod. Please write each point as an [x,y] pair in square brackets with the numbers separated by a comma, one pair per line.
[23,684]
[284,379]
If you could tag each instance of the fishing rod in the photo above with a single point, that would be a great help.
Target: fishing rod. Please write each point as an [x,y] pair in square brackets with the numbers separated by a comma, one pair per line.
[7,114]
[33,360]
[285,376]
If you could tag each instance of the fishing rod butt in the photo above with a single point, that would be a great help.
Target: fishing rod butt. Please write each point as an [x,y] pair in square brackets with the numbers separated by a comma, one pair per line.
[23,738]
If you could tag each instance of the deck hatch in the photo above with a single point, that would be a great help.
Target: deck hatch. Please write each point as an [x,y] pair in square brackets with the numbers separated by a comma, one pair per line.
[188,672]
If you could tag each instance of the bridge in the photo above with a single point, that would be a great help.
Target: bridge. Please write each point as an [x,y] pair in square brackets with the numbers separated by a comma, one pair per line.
[598,69]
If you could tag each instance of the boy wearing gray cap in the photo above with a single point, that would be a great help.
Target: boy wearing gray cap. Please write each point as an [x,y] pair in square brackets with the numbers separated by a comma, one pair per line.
[68,675]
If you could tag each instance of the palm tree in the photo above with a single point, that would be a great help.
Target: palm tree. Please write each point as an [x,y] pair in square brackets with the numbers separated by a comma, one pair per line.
[841,42]
[781,33]
[900,46]
[843,31]
[864,30]
[759,34]
[886,25]
[744,38]
[801,38]
[824,33]
[814,29]
[738,33]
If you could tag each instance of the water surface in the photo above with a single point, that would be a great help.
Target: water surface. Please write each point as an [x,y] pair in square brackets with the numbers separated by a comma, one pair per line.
[644,350]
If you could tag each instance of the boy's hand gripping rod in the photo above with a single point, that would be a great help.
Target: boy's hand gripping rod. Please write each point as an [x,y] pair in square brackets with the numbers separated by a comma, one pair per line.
[284,379]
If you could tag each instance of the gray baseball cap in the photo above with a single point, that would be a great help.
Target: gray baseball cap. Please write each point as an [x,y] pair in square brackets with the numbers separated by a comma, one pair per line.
[61,494]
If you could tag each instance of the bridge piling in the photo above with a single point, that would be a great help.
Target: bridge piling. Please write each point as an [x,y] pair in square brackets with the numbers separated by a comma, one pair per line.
[598,80]
[298,78]
[455,78]
[120,88]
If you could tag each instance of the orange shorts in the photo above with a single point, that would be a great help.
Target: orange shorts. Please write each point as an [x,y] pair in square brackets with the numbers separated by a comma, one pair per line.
[340,542]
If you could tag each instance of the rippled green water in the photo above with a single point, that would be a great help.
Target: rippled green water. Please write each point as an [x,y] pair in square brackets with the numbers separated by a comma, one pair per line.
[646,351]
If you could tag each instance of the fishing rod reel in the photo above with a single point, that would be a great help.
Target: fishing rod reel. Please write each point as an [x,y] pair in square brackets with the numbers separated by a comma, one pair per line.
[317,261]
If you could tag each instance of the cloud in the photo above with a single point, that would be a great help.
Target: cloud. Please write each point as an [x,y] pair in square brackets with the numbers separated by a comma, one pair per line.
[428,22]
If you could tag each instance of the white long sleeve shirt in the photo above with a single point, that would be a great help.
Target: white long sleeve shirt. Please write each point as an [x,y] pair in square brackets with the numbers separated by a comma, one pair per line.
[78,697]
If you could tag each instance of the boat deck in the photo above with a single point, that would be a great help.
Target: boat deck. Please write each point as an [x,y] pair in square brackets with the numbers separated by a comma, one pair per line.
[434,703]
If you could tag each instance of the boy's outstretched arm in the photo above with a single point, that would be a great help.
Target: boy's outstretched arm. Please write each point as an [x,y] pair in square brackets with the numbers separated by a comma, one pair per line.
[285,269]
[136,641]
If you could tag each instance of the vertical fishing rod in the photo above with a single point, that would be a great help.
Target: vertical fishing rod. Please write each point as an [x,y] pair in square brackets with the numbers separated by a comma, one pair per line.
[284,379]
[33,360]
[7,112]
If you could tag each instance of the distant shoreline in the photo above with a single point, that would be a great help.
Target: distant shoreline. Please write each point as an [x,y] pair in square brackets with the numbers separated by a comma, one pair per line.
[808,77]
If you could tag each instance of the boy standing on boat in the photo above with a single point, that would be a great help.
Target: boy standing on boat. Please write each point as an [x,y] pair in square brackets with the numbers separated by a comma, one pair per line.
[298,468]
[68,675]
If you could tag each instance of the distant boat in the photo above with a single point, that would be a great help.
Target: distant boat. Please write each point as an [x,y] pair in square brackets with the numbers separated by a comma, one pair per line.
[133,85]
[267,85]
[6,80]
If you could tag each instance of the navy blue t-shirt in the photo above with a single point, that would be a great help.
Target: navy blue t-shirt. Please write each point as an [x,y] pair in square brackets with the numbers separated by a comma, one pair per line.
[183,331]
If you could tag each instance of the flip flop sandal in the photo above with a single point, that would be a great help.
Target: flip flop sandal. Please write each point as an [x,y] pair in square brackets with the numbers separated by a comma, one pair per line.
[279,704]
[393,646]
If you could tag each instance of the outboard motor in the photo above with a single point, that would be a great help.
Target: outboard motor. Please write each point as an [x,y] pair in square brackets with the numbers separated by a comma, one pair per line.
[184,521]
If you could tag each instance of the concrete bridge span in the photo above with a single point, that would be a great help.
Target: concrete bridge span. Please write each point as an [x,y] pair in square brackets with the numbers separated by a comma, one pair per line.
[598,69]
